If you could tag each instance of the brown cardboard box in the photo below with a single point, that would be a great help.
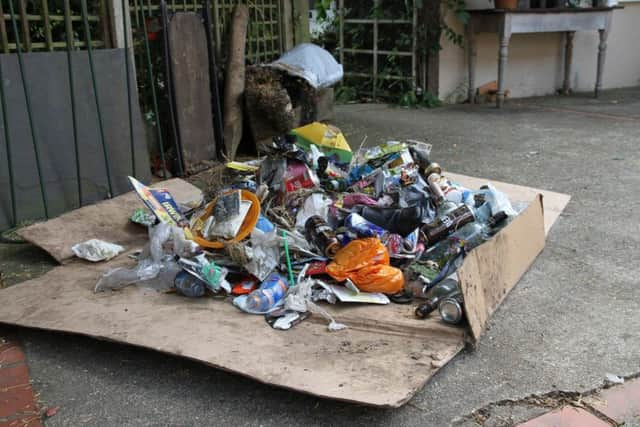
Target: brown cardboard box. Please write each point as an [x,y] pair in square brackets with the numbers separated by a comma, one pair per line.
[382,359]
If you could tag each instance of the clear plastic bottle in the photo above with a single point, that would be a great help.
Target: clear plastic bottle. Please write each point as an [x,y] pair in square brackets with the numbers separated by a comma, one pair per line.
[475,233]
[268,294]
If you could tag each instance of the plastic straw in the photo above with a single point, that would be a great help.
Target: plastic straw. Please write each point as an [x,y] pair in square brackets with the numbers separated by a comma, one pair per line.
[286,253]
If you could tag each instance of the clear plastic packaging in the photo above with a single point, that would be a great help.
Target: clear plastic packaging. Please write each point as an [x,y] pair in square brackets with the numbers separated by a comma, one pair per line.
[265,253]
[156,267]
[299,298]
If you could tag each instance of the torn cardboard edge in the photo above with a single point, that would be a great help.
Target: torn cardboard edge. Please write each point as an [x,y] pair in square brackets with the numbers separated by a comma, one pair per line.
[492,269]
[383,358]
[107,220]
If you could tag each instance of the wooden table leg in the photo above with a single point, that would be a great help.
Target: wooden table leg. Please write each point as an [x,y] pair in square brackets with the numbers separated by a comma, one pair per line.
[568,53]
[503,53]
[602,50]
[471,62]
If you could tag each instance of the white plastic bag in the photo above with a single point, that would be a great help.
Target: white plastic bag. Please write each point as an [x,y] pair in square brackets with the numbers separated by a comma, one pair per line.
[312,63]
[266,253]
[315,204]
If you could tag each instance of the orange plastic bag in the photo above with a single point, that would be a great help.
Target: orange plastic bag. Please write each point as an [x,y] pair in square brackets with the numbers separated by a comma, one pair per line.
[357,255]
[379,278]
[366,263]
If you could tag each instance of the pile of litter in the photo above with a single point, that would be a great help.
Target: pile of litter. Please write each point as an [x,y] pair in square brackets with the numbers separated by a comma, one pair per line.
[312,223]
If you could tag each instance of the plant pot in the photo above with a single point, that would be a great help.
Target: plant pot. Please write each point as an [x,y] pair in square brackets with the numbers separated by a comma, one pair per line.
[506,4]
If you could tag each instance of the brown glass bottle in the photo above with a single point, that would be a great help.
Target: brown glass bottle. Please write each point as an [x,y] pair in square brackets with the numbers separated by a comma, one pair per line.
[446,224]
[322,236]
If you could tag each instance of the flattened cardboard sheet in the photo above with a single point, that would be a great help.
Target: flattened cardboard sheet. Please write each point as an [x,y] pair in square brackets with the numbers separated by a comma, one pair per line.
[383,358]
[106,220]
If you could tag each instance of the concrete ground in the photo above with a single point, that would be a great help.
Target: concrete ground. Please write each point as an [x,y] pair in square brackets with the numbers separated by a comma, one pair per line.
[571,319]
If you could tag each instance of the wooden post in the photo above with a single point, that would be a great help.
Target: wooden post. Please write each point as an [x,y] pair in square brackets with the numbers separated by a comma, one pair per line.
[414,44]
[431,19]
[3,31]
[375,50]
[341,30]
[280,19]
[26,35]
[301,21]
[115,16]
[105,22]
[286,24]
[234,80]
[47,25]
[68,25]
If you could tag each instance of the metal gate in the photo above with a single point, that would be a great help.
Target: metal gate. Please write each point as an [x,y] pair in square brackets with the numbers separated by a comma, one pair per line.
[82,32]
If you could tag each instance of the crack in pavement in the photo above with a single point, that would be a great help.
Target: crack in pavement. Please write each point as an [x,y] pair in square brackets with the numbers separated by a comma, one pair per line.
[552,400]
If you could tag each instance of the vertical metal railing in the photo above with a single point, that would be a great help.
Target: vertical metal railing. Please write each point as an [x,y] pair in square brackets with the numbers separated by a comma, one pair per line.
[7,139]
[74,122]
[169,84]
[152,86]
[27,97]
[51,41]
[87,35]
[127,65]
[38,26]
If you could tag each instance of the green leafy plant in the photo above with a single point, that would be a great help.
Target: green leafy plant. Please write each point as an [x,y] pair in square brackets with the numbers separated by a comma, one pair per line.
[346,94]
[393,81]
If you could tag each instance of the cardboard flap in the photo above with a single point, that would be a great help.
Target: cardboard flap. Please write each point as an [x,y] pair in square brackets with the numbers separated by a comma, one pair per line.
[492,269]
[107,220]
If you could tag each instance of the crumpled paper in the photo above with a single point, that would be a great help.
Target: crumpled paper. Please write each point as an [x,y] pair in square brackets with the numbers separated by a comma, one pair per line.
[96,250]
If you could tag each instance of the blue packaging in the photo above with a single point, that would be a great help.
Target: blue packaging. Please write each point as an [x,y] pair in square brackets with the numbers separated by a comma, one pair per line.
[269,294]
[362,227]
[264,224]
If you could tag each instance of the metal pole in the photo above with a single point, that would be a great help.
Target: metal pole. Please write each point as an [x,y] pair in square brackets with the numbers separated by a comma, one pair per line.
[169,84]
[127,60]
[88,42]
[341,30]
[153,90]
[7,143]
[70,47]
[27,99]
[85,21]
[218,127]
